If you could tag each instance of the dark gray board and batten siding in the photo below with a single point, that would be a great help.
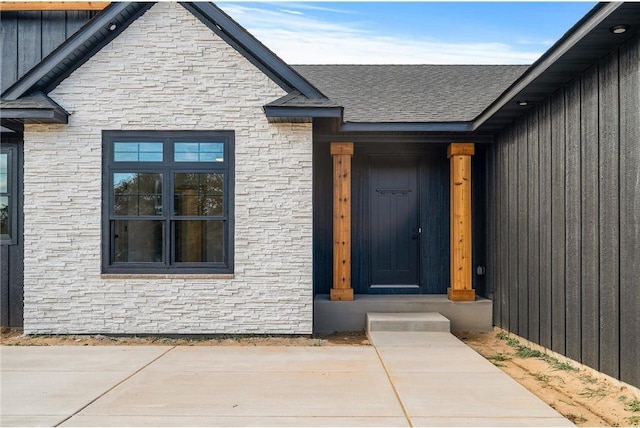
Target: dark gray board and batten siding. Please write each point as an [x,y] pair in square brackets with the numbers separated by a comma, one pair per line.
[12,251]
[564,211]
[28,37]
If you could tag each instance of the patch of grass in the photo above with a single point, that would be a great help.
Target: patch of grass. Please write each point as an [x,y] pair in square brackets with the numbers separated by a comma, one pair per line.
[525,352]
[565,366]
[576,419]
[512,342]
[599,393]
[540,377]
[499,365]
[634,420]
[556,364]
[588,379]
[502,335]
[498,357]
[631,405]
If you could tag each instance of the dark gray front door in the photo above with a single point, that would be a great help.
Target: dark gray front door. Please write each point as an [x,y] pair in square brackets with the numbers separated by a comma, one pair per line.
[395,234]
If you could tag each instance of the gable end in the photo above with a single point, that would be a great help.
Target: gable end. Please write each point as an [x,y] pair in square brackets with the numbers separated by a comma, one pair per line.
[257,53]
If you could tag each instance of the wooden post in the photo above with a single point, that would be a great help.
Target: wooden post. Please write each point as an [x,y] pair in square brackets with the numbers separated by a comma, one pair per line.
[461,270]
[341,154]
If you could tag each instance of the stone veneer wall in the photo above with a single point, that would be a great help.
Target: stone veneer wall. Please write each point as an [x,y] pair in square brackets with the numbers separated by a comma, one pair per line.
[168,71]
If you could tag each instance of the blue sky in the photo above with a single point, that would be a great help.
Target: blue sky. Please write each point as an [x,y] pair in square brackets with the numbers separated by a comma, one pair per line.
[407,32]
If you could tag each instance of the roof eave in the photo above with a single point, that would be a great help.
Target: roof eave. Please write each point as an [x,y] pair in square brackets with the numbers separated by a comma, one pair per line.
[551,57]
[406,127]
[296,114]
[35,115]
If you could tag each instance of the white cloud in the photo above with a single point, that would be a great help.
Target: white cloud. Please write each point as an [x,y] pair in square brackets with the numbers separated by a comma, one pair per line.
[302,39]
[291,12]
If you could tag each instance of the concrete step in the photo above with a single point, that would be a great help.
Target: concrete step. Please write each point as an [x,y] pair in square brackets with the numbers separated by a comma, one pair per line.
[407,321]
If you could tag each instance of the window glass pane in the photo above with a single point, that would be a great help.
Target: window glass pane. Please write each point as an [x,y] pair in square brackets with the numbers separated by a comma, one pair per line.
[4,215]
[137,241]
[4,157]
[198,194]
[137,193]
[199,152]
[199,241]
[137,152]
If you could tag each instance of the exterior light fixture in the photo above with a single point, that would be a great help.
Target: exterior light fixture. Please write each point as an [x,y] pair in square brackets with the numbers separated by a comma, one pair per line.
[112,26]
[523,103]
[619,29]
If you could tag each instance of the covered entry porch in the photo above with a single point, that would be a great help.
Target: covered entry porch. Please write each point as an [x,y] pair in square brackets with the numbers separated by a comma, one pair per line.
[397,236]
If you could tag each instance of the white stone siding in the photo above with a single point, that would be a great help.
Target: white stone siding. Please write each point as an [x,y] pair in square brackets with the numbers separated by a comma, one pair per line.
[168,71]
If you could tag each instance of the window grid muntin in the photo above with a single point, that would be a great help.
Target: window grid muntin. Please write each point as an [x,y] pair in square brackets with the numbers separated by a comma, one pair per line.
[168,167]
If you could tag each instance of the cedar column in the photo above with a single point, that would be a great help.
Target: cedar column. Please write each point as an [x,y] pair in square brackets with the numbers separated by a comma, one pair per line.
[461,280]
[341,154]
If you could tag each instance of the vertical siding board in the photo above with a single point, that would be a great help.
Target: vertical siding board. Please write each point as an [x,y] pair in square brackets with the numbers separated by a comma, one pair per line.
[558,124]
[630,211]
[522,240]
[75,20]
[491,228]
[533,228]
[512,243]
[609,216]
[479,217]
[53,31]
[29,41]
[545,224]
[9,44]
[590,260]
[5,272]
[504,234]
[572,219]
[499,286]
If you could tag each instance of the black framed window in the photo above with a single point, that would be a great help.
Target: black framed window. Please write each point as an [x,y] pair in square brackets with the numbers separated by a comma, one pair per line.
[168,202]
[8,196]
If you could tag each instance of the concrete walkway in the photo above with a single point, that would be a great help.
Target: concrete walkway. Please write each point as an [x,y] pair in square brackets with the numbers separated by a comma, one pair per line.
[406,379]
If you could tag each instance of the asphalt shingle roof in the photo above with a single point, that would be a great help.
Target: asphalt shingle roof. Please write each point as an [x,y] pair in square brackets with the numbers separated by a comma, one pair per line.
[411,93]
[37,100]
[296,99]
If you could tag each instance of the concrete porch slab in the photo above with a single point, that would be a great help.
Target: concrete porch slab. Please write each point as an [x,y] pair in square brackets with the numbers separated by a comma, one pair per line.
[331,316]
